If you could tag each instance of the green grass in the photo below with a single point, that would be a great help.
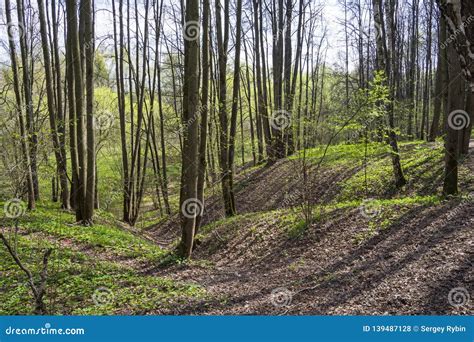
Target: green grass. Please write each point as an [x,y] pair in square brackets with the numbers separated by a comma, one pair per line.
[76,279]
[105,256]
[340,154]
[94,264]
[292,224]
[104,235]
[420,164]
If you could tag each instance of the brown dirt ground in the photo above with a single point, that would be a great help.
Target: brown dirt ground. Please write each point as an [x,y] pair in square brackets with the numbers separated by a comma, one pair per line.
[407,268]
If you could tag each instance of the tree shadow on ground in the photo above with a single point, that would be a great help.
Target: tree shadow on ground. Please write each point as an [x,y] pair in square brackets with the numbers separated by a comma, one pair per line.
[361,277]
[459,278]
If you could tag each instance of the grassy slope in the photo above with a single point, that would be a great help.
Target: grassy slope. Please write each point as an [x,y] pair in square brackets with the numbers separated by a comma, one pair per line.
[86,259]
[404,259]
[422,164]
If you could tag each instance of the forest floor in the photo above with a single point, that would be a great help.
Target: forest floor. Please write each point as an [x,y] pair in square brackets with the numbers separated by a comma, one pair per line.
[403,251]
[403,254]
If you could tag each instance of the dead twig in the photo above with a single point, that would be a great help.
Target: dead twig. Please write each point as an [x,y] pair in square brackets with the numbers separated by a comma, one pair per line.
[38,290]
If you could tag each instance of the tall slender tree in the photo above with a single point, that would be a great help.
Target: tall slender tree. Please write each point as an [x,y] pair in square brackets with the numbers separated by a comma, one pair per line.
[385,58]
[189,204]
[54,114]
[26,161]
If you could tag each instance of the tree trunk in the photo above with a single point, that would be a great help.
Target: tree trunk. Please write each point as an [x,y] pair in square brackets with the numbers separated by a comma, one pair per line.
[235,105]
[19,104]
[75,60]
[204,110]
[459,16]
[385,63]
[222,44]
[59,150]
[28,95]
[89,47]
[440,86]
[456,96]
[190,207]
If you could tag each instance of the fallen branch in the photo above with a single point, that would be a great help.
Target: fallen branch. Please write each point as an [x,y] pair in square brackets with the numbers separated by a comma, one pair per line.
[38,290]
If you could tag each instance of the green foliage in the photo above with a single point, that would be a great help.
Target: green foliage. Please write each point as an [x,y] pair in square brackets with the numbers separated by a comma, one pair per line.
[76,279]
[370,105]
[101,73]
[84,262]
[104,237]
[297,229]
[420,162]
[106,256]
[338,155]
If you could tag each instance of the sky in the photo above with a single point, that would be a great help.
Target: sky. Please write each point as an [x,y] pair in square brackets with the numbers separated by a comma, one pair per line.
[332,13]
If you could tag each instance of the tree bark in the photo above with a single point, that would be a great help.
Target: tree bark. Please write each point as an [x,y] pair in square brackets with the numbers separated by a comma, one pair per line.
[189,205]
[204,109]
[75,61]
[59,150]
[440,85]
[19,104]
[89,51]
[385,63]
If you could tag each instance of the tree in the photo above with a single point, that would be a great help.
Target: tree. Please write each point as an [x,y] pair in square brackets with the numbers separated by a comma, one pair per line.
[461,60]
[80,50]
[190,207]
[385,62]
[231,210]
[55,113]
[141,80]
[222,32]
[204,109]
[441,84]
[89,50]
[26,161]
